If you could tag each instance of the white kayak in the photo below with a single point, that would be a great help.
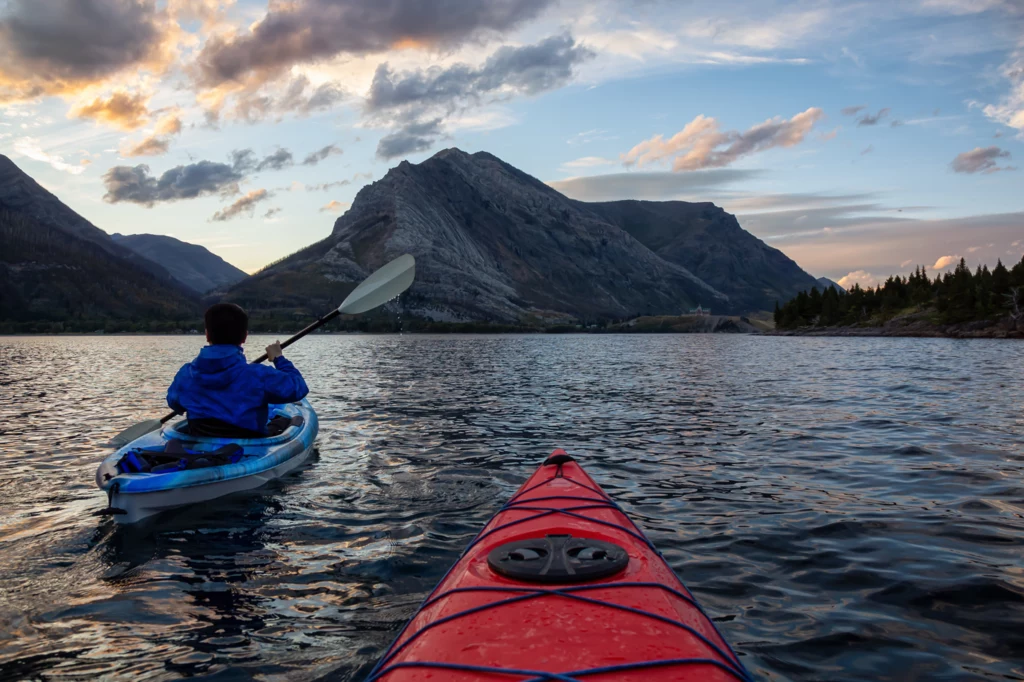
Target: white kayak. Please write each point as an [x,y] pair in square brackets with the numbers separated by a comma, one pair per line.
[170,468]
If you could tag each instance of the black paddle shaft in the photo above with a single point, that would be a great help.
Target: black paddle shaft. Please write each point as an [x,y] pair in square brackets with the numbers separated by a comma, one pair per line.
[311,328]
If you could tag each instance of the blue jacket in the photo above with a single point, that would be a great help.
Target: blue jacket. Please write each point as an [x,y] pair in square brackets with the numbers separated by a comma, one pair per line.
[220,384]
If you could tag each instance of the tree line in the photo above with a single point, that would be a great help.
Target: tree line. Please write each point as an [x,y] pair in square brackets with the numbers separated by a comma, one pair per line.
[951,298]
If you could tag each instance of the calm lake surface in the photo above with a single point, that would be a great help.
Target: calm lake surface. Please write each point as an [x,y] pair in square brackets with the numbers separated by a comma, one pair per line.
[846,509]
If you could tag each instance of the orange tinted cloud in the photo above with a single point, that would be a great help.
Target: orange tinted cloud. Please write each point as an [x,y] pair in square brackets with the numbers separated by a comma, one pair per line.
[56,47]
[121,110]
[305,31]
[701,145]
[151,146]
[169,124]
[334,207]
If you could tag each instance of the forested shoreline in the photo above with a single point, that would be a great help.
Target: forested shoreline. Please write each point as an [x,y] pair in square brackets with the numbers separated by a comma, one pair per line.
[954,303]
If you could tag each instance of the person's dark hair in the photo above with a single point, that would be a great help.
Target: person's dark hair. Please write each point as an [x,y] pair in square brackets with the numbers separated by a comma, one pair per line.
[226,323]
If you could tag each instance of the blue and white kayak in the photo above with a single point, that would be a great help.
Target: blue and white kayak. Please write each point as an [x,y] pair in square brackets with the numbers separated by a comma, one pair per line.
[194,469]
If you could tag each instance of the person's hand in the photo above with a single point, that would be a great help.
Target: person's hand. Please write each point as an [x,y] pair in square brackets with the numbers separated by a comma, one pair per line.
[274,351]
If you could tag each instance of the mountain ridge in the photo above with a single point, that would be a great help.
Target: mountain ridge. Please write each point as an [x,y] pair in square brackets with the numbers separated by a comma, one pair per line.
[59,272]
[496,244]
[193,265]
[21,194]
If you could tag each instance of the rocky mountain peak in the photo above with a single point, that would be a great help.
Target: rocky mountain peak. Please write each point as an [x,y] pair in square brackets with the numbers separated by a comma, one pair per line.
[494,243]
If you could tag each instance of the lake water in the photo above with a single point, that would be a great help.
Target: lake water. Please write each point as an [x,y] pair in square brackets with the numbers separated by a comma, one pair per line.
[846,509]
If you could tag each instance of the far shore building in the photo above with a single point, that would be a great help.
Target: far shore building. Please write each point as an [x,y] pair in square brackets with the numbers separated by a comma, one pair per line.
[700,311]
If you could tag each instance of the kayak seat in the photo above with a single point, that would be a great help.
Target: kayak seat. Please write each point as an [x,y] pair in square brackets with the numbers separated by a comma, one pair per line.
[217,428]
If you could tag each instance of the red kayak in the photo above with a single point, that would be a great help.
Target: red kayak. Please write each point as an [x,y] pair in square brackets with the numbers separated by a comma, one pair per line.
[560,585]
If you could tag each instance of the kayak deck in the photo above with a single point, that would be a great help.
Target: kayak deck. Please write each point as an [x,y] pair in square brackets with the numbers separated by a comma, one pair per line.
[639,624]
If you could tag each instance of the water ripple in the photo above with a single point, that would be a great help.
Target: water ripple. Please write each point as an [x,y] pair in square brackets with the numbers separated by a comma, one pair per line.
[846,509]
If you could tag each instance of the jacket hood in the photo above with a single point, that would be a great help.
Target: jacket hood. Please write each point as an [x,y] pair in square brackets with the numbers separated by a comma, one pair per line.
[218,365]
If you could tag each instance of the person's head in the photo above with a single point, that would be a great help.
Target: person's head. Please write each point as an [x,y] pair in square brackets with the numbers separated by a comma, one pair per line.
[226,323]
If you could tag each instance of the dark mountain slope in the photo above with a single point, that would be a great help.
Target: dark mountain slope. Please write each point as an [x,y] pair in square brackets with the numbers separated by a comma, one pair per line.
[48,275]
[21,195]
[710,243]
[190,264]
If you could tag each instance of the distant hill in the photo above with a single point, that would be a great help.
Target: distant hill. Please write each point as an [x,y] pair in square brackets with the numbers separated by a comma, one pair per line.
[190,264]
[495,244]
[58,272]
[710,243]
[824,283]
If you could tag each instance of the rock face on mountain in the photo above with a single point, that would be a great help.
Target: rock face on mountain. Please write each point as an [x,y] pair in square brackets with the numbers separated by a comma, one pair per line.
[190,264]
[55,266]
[710,243]
[493,243]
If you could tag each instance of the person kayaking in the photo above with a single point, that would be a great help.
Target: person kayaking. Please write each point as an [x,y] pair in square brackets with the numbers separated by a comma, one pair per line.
[222,394]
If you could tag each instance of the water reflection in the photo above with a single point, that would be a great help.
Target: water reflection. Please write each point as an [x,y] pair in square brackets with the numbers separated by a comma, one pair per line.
[846,508]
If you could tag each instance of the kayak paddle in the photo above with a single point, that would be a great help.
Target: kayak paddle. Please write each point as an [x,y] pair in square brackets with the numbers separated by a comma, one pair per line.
[376,290]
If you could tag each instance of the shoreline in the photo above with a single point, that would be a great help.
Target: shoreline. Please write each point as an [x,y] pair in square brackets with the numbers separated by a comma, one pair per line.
[961,331]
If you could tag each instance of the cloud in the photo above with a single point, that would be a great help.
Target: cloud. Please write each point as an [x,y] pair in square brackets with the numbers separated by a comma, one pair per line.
[56,47]
[877,244]
[830,135]
[136,185]
[852,111]
[245,161]
[29,148]
[1010,110]
[869,120]
[323,187]
[526,70]
[862,277]
[279,160]
[650,186]
[975,249]
[306,31]
[121,110]
[244,205]
[411,138]
[159,141]
[334,207]
[313,158]
[981,159]
[867,150]
[700,144]
[945,261]
[259,101]
[907,262]
[592,135]
[588,162]
[271,212]
[150,146]
[896,123]
[169,124]
[416,103]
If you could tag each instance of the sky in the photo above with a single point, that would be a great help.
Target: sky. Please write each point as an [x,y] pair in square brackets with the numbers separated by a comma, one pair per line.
[861,138]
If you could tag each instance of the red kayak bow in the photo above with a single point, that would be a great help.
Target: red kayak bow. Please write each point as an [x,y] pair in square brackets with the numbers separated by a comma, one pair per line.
[560,585]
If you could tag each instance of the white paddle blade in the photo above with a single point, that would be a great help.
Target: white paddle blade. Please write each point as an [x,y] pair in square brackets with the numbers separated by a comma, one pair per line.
[135,431]
[382,286]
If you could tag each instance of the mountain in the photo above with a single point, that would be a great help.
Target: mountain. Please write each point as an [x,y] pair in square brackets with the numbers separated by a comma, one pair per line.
[60,272]
[823,283]
[23,196]
[710,243]
[190,264]
[493,243]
